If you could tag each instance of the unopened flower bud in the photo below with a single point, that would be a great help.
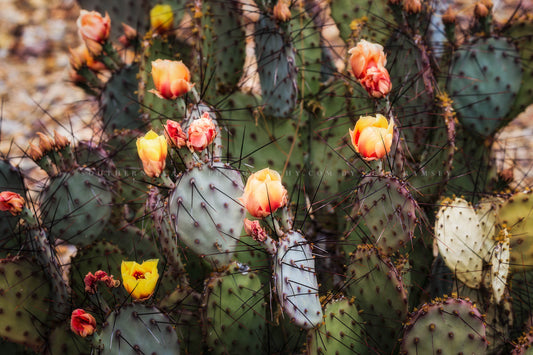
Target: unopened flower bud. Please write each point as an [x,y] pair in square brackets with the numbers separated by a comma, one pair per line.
[46,143]
[480,10]
[412,6]
[35,152]
[60,141]
[281,11]
[449,17]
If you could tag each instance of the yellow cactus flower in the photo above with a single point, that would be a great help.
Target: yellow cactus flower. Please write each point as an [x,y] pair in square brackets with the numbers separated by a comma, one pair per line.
[161,18]
[152,149]
[140,280]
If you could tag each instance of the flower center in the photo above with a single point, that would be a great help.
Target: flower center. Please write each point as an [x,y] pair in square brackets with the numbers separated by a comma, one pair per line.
[138,275]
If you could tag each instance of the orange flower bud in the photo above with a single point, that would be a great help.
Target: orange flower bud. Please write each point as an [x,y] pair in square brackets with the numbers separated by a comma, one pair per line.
[171,78]
[412,6]
[264,193]
[80,57]
[11,202]
[480,10]
[60,141]
[94,29]
[372,136]
[34,152]
[174,134]
[46,143]
[201,132]
[281,11]
[449,17]
[140,279]
[162,18]
[82,323]
[368,62]
[152,150]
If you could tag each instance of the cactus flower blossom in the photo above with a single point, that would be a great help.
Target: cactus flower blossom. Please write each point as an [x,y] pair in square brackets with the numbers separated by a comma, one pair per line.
[152,150]
[174,134]
[372,136]
[140,280]
[201,133]
[11,202]
[93,29]
[171,78]
[82,323]
[162,18]
[368,66]
[264,193]
[281,11]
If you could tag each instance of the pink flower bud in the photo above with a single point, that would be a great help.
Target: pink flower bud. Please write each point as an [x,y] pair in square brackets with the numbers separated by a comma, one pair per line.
[368,62]
[174,134]
[94,29]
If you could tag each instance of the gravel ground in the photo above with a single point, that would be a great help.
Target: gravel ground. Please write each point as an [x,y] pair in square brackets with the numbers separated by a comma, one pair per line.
[36,94]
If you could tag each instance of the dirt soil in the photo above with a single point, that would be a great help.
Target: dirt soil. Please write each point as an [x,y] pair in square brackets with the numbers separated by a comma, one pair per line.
[36,94]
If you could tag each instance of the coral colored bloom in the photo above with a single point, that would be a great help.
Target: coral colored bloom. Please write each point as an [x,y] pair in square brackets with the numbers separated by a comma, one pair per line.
[140,279]
[372,136]
[368,62]
[91,281]
[82,323]
[281,11]
[161,18]
[174,134]
[11,202]
[201,132]
[94,29]
[254,230]
[171,78]
[264,193]
[152,150]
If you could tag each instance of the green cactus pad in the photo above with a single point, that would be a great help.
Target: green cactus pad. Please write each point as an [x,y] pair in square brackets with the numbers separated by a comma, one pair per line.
[235,310]
[224,43]
[206,213]
[379,293]
[385,205]
[413,92]
[515,215]
[63,341]
[137,328]
[306,39]
[342,331]
[372,20]
[484,79]
[24,301]
[296,281]
[76,205]
[520,32]
[276,65]
[120,107]
[450,326]
[10,180]
[100,255]
[465,238]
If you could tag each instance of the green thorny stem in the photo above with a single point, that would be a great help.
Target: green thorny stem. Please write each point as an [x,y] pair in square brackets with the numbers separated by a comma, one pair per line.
[48,259]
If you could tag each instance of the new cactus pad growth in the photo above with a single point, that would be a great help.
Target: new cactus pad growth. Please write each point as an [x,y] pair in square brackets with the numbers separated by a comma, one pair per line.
[277,177]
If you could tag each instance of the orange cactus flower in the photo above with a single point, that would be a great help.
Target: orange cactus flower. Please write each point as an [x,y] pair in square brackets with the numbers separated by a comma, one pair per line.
[368,62]
[82,323]
[264,193]
[372,136]
[201,132]
[174,134]
[140,279]
[162,18]
[11,202]
[171,78]
[94,29]
[152,150]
